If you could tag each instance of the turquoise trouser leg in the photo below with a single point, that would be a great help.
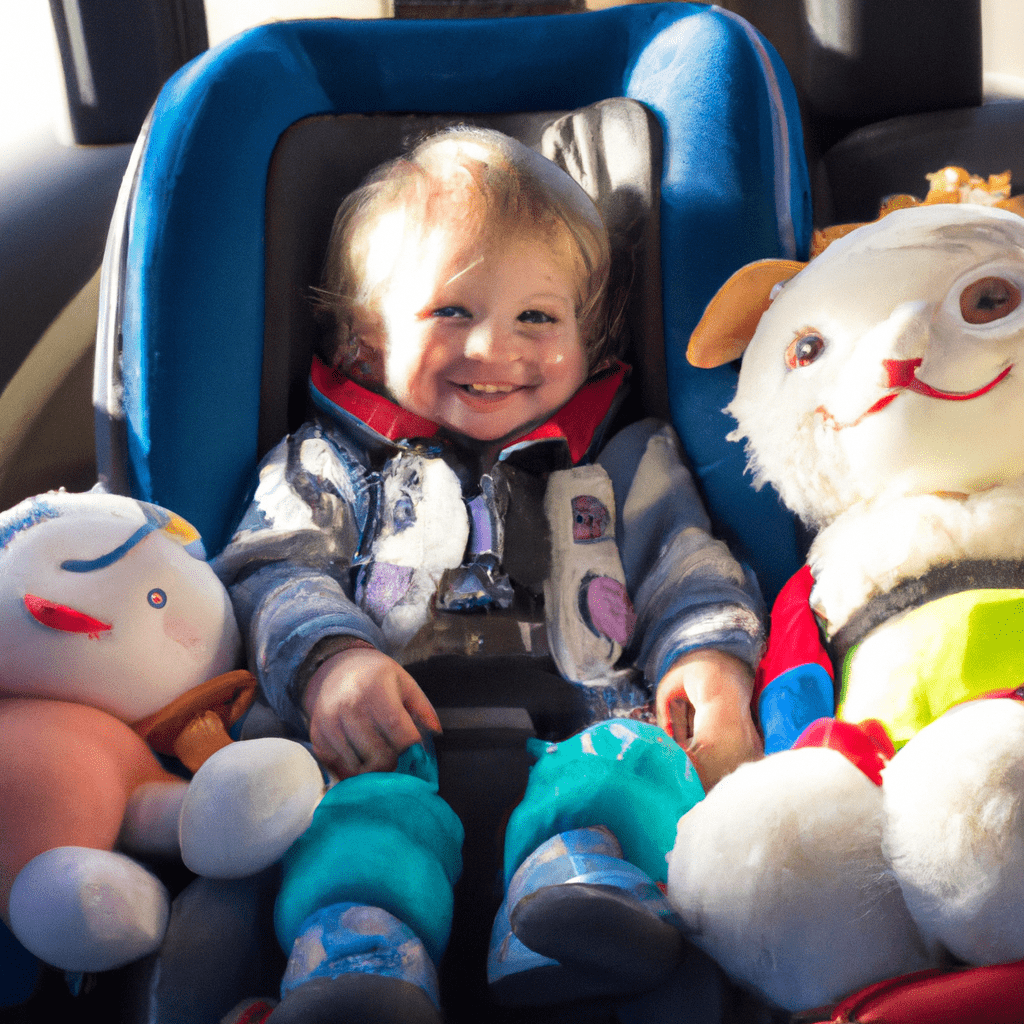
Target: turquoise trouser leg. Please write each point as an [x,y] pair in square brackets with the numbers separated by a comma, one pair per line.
[384,839]
[628,776]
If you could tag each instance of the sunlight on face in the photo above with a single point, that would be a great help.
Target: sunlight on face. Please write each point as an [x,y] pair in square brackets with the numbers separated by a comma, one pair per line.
[481,337]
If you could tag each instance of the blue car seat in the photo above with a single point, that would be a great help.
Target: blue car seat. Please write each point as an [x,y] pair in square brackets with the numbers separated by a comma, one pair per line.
[183,345]
[206,330]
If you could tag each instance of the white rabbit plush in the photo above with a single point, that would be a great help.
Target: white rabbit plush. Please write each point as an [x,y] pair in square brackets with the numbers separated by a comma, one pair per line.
[116,638]
[882,394]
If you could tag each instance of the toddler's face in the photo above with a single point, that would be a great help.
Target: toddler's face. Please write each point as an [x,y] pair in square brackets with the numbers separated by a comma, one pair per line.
[482,338]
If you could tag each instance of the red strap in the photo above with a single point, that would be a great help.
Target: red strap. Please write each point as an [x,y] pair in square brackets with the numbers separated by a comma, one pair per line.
[378,413]
[580,417]
[576,421]
[257,1012]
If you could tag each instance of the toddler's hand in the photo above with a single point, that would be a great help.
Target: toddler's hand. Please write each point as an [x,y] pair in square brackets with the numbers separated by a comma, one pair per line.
[703,702]
[364,710]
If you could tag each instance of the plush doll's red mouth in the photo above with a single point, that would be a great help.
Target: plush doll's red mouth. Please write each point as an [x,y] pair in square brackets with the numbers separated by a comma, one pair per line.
[902,373]
[63,618]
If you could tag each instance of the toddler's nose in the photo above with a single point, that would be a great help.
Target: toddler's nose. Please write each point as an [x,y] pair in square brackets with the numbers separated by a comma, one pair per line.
[489,340]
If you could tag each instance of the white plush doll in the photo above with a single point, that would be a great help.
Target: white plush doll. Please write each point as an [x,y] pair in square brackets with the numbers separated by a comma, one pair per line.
[882,394]
[116,638]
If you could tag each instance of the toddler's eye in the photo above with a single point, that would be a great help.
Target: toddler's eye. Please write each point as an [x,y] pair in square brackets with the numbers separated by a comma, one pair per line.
[451,311]
[988,300]
[535,316]
[803,350]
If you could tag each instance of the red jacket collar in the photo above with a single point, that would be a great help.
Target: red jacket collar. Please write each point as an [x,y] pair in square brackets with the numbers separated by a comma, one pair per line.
[576,421]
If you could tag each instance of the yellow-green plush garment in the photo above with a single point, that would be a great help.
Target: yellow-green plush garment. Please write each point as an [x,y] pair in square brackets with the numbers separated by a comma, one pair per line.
[916,666]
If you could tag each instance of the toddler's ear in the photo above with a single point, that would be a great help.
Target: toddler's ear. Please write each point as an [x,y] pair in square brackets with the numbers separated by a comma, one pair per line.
[361,354]
[732,315]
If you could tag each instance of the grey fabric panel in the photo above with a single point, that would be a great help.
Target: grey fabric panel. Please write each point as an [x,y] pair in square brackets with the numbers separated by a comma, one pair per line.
[613,149]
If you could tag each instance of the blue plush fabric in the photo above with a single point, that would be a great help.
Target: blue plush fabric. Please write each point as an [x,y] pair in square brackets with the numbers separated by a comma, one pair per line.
[734,189]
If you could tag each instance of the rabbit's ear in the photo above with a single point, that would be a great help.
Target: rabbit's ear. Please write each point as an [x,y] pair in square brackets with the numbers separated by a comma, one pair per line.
[732,316]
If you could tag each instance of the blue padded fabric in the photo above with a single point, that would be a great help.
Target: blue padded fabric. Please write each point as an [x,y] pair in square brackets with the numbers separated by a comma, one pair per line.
[193,291]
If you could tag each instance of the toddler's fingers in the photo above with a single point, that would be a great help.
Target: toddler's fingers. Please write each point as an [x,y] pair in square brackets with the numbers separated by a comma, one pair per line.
[680,721]
[419,707]
[674,712]
[335,753]
[372,743]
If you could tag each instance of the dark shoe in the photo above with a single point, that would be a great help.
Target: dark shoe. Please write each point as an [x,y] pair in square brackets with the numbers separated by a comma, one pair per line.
[363,953]
[356,999]
[600,928]
[579,921]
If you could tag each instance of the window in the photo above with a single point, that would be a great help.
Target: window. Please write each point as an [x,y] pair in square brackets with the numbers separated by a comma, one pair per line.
[224,18]
[31,80]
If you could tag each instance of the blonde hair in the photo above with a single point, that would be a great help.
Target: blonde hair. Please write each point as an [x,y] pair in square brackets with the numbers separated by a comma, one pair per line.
[487,186]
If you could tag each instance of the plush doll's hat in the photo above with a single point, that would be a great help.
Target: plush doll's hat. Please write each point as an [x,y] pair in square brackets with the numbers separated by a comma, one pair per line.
[733,314]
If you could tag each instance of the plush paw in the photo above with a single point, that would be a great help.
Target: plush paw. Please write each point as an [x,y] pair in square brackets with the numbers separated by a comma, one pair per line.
[246,805]
[81,909]
[778,875]
[954,802]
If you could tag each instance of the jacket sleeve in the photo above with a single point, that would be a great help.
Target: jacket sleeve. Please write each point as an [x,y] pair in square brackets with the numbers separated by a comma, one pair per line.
[288,565]
[687,589]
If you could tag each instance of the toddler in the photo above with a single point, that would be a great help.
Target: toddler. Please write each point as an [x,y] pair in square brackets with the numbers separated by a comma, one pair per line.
[459,491]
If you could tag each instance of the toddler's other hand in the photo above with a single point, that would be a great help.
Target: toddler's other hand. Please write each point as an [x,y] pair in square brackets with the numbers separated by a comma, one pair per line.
[364,709]
[703,702]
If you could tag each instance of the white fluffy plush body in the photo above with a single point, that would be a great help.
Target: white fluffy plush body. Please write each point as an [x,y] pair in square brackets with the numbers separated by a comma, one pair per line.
[109,613]
[882,394]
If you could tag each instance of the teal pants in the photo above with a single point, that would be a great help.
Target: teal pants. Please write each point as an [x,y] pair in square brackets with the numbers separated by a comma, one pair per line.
[630,776]
[384,839]
[389,840]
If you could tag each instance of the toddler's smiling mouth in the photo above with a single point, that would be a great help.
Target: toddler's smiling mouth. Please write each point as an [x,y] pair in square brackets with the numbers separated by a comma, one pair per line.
[490,389]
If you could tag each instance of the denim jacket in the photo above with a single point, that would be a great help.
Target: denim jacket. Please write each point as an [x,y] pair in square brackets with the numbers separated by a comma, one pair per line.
[314,555]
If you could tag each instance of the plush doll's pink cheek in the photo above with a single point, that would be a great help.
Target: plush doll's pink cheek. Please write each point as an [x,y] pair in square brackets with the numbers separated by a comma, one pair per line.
[183,633]
[607,608]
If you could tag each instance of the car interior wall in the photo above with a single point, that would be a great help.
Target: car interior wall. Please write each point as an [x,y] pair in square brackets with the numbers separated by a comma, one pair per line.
[860,62]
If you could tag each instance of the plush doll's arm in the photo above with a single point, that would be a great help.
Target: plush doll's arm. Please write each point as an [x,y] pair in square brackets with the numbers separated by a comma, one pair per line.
[287,567]
[794,682]
[150,825]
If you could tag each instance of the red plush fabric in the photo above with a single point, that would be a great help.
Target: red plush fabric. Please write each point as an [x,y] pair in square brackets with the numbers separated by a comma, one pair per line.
[976,995]
[866,745]
[794,638]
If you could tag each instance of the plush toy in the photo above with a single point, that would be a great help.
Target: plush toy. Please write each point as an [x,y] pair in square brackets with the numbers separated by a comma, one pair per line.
[882,394]
[117,639]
